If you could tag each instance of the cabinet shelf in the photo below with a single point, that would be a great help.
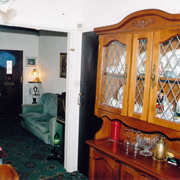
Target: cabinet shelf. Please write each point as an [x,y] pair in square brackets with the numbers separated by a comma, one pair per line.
[33,82]
[114,74]
[32,95]
[164,79]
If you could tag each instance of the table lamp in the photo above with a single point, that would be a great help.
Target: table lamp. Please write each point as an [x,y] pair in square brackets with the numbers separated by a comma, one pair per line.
[35,73]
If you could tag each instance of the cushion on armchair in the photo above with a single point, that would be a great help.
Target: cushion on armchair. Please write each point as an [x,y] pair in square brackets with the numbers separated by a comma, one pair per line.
[32,120]
[43,126]
[40,119]
[48,110]
[50,103]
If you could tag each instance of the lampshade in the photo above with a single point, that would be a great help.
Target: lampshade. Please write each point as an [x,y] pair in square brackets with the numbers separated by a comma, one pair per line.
[35,73]
[6,5]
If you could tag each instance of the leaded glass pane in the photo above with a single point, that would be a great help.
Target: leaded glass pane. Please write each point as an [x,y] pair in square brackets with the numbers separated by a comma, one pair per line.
[140,80]
[114,60]
[9,67]
[168,97]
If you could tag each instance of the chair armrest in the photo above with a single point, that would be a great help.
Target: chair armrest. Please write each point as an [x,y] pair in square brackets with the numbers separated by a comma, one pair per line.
[37,108]
[54,127]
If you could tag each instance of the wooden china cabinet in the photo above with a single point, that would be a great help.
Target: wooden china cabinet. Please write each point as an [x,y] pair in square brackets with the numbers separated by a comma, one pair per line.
[138,87]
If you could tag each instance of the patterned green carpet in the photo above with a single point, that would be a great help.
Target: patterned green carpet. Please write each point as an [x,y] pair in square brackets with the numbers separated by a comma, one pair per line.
[28,155]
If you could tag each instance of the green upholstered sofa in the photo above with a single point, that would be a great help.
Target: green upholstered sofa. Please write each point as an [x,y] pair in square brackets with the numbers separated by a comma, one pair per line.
[40,119]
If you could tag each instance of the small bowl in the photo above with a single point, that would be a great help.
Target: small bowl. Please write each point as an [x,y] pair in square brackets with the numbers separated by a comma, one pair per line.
[147,142]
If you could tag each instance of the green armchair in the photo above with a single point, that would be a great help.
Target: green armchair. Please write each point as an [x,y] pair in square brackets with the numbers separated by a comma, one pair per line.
[40,119]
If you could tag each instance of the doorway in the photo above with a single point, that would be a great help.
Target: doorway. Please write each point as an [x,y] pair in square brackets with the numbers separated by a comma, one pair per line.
[11,63]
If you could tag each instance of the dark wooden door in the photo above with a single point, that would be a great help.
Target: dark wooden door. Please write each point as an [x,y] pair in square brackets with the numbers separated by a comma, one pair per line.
[88,123]
[10,82]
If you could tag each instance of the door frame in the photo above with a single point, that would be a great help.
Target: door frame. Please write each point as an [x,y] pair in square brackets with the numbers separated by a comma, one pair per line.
[72,108]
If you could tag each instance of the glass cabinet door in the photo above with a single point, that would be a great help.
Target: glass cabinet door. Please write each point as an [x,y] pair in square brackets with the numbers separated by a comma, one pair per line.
[165,85]
[140,76]
[113,73]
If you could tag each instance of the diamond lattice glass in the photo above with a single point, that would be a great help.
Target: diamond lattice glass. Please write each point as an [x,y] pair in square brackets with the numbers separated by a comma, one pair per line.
[141,69]
[168,97]
[114,60]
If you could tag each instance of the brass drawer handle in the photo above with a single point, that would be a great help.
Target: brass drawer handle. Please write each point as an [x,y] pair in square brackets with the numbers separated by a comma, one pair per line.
[153,77]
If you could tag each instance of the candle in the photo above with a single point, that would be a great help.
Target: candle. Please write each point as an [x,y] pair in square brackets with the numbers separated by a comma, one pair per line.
[115,130]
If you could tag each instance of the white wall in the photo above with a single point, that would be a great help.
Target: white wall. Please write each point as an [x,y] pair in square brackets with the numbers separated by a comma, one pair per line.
[51,44]
[107,12]
[56,14]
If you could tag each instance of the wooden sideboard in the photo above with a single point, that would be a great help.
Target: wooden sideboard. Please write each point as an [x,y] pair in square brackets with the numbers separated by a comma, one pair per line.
[138,85]
[110,160]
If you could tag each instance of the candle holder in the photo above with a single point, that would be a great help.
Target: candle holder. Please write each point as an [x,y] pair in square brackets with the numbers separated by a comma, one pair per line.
[35,90]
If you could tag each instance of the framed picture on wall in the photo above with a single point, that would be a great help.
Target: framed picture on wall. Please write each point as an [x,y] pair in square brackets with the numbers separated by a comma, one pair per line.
[31,61]
[63,63]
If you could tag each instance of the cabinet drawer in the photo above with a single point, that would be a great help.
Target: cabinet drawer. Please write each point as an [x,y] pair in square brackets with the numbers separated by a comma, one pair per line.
[102,166]
[129,173]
